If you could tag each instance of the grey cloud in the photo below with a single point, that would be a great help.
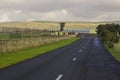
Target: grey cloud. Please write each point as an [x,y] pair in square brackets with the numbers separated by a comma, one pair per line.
[94,9]
[76,9]
[37,5]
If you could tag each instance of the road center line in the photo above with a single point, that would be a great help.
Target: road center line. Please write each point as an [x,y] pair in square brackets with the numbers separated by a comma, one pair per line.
[80,50]
[74,59]
[59,77]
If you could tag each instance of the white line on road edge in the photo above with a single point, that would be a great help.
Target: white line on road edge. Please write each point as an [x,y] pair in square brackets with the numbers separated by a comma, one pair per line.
[74,59]
[59,77]
[80,50]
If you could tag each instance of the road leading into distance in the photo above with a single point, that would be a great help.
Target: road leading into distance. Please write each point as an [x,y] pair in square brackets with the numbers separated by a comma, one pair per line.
[85,59]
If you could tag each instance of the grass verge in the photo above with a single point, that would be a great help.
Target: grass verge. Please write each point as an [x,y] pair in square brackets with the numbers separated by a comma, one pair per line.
[114,53]
[16,57]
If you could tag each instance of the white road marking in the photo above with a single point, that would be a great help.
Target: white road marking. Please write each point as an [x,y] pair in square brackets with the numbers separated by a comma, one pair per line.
[80,50]
[74,59]
[83,47]
[59,76]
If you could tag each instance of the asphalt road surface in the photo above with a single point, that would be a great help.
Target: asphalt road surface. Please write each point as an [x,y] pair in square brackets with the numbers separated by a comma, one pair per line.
[85,59]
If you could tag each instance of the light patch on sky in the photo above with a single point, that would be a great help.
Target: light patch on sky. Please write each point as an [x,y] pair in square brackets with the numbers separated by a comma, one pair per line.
[4,18]
[59,10]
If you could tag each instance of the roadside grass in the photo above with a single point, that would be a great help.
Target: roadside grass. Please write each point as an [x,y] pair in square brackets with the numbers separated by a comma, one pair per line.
[18,56]
[114,53]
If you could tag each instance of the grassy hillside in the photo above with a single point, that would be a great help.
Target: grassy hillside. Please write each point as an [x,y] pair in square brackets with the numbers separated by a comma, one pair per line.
[51,25]
[47,25]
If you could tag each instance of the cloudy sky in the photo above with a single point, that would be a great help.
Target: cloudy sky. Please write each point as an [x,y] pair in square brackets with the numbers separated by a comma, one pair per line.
[59,10]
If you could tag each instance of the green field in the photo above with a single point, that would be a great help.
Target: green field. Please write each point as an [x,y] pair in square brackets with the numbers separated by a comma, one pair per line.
[9,36]
[18,56]
[4,36]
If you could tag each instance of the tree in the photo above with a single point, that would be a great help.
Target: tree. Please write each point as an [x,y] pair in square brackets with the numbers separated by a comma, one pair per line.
[109,33]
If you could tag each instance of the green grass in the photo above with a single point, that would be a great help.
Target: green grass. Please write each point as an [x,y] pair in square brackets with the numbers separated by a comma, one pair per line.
[26,35]
[4,36]
[8,36]
[31,35]
[16,57]
[114,53]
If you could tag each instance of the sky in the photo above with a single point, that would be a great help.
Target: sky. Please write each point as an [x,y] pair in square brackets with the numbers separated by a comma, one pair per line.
[59,10]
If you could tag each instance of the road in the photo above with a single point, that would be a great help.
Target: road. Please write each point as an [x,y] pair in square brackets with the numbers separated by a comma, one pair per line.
[85,59]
